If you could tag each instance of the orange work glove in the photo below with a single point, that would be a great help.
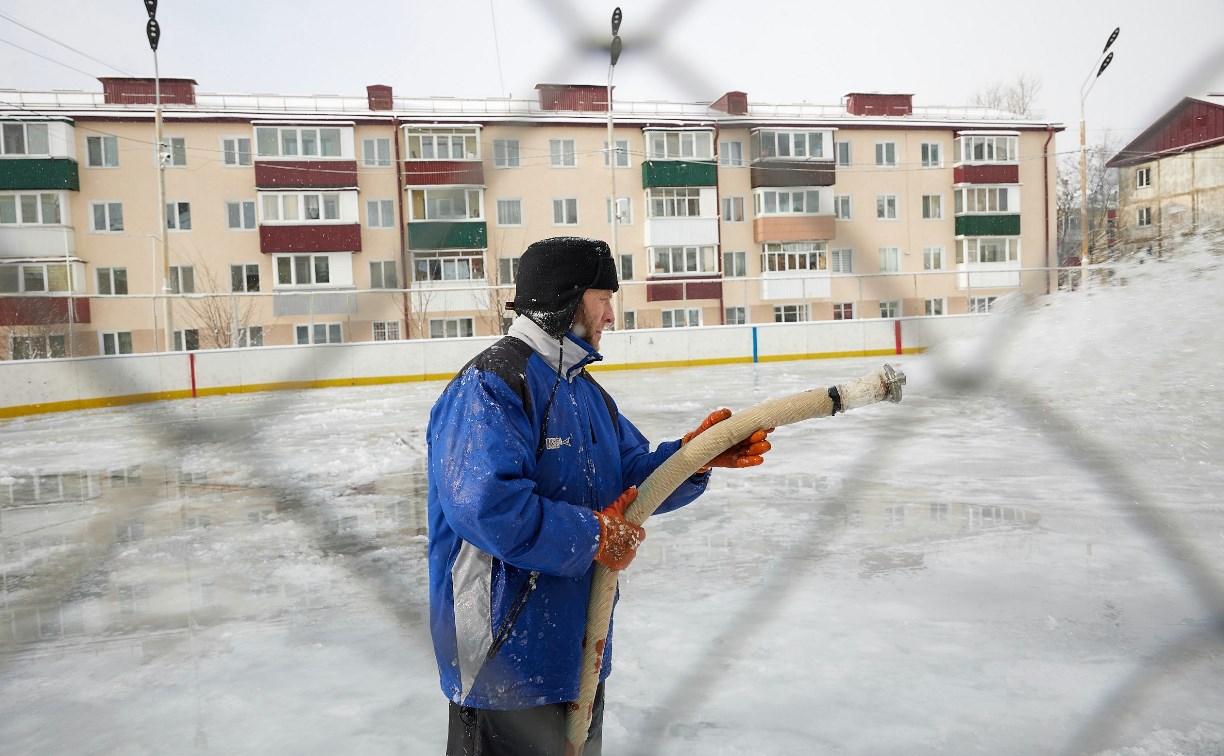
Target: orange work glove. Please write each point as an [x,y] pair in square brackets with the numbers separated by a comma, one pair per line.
[618,538]
[746,453]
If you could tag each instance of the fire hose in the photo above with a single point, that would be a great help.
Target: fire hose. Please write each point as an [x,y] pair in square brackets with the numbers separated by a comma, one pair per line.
[882,385]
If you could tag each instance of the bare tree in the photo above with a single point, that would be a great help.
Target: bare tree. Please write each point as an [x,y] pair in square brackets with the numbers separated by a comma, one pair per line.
[1017,96]
[220,313]
[1102,183]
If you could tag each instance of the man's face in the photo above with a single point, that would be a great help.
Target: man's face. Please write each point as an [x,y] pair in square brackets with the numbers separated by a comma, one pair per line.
[594,315]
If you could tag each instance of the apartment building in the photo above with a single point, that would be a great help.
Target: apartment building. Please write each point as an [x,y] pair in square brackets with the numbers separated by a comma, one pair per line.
[323,219]
[1171,177]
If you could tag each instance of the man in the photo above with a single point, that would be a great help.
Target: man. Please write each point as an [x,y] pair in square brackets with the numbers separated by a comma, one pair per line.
[531,467]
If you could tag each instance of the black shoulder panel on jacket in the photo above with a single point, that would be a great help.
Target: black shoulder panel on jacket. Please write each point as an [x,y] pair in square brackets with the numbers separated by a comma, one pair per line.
[507,359]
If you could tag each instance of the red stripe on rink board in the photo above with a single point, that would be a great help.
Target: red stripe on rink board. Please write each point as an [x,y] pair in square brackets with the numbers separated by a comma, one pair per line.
[191,362]
[896,335]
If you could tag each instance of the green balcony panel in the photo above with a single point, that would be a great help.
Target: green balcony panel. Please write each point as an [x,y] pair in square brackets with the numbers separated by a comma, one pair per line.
[988,225]
[448,235]
[678,173]
[39,173]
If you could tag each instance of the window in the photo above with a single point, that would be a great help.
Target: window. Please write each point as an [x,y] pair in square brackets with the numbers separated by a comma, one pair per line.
[376,152]
[505,153]
[251,336]
[792,313]
[450,328]
[622,153]
[293,208]
[797,201]
[736,316]
[382,275]
[302,270]
[841,261]
[626,267]
[1143,177]
[176,150]
[294,141]
[674,203]
[102,151]
[624,210]
[24,139]
[684,317]
[385,330]
[236,151]
[935,306]
[561,153]
[779,257]
[932,206]
[890,309]
[449,266]
[240,215]
[679,145]
[981,304]
[683,260]
[932,258]
[629,320]
[735,264]
[843,154]
[565,211]
[509,212]
[886,154]
[244,277]
[33,278]
[986,199]
[107,216]
[456,203]
[890,260]
[42,209]
[987,149]
[731,154]
[932,155]
[380,213]
[843,311]
[841,207]
[987,250]
[1144,217]
[112,281]
[319,333]
[182,279]
[119,342]
[733,209]
[38,347]
[886,206]
[789,145]
[507,270]
[443,143]
[187,339]
[178,216]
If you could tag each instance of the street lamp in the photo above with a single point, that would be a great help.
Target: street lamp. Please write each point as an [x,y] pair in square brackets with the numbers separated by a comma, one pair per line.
[153,32]
[1102,63]
[614,209]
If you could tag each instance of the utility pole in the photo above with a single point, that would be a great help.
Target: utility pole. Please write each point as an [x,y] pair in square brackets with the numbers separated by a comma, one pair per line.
[1084,90]
[614,155]
[153,31]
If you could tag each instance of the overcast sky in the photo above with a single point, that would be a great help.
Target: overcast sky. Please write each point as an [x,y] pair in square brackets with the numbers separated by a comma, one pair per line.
[689,50]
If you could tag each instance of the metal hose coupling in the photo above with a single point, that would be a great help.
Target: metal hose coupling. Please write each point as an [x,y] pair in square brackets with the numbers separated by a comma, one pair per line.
[893,381]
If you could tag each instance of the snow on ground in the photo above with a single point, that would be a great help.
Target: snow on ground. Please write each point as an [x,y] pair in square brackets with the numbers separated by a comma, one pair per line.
[1024,556]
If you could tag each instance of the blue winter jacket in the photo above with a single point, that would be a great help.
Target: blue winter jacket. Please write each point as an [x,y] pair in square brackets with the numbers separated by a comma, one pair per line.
[509,498]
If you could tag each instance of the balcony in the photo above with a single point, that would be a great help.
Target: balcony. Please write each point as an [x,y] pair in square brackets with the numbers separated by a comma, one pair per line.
[988,225]
[448,235]
[785,228]
[305,174]
[979,275]
[37,241]
[40,311]
[680,232]
[993,173]
[313,237]
[774,172]
[794,284]
[677,173]
[682,288]
[443,172]
[39,173]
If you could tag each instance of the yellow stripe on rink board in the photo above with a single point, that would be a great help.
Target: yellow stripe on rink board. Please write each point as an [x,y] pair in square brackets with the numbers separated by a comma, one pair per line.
[73,405]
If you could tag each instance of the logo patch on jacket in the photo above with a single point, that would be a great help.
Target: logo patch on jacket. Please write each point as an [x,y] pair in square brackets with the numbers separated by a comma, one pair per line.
[556,443]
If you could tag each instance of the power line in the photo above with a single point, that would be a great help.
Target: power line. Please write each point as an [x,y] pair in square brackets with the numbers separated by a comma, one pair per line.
[44,57]
[62,44]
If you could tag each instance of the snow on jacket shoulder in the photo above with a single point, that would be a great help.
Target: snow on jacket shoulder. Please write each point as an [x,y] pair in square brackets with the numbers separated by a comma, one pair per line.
[506,502]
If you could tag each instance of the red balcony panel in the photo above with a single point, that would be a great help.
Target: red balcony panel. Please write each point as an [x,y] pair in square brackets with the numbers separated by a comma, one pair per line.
[673,290]
[35,311]
[443,172]
[1007,173]
[305,174]
[317,237]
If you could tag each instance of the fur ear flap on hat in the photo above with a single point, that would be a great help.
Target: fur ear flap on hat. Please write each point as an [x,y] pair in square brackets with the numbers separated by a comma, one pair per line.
[554,273]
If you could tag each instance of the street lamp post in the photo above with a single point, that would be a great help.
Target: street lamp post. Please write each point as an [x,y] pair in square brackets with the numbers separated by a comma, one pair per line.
[1084,90]
[153,31]
[614,209]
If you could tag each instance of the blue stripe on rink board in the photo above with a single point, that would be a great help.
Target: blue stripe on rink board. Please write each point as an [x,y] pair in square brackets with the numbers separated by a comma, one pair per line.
[754,344]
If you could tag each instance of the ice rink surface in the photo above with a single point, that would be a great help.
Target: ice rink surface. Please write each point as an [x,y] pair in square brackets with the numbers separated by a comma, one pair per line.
[1025,556]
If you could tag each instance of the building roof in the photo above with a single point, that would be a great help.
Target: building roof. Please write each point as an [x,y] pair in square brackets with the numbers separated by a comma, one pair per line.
[1195,123]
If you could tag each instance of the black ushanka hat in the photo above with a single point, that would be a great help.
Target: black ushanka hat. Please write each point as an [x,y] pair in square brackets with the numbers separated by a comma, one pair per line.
[554,273]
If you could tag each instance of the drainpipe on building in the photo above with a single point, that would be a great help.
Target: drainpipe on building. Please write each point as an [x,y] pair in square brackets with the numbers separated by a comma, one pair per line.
[1045,175]
[403,226]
